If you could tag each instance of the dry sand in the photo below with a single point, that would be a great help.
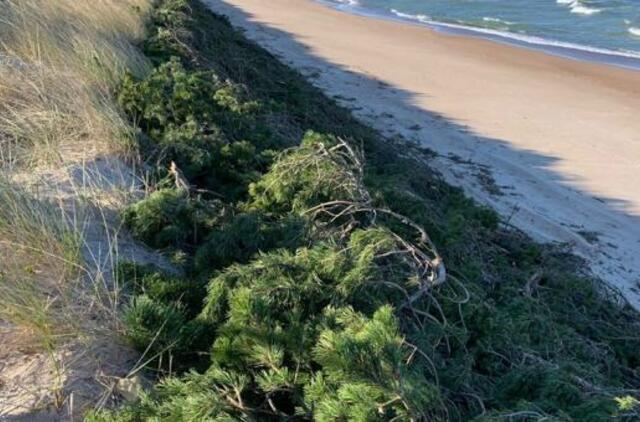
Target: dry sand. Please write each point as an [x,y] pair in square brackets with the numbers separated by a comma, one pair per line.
[37,384]
[560,138]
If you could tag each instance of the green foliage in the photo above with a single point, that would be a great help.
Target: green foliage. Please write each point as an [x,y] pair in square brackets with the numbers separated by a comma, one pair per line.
[159,321]
[277,320]
[172,218]
[303,177]
[277,324]
[164,334]
[162,287]
[245,235]
[153,325]
[282,283]
[628,403]
[367,383]
[200,123]
[328,318]
[364,373]
[163,40]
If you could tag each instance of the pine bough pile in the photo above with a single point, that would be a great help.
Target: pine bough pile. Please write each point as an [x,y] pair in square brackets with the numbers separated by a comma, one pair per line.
[312,287]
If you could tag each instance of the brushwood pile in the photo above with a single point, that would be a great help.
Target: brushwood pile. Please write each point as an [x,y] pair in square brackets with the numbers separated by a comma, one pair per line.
[326,273]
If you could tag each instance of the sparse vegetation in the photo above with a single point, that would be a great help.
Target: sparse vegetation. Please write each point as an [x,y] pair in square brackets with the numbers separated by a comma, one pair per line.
[314,283]
[60,64]
[40,257]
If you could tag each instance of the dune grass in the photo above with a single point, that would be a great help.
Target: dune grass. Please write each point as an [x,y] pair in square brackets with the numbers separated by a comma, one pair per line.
[60,61]
[60,64]
[41,256]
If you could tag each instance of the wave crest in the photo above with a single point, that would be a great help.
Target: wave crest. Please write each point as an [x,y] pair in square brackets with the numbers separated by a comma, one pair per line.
[419,18]
[347,2]
[577,7]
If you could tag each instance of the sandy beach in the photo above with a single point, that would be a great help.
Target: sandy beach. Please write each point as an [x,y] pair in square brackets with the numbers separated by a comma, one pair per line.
[552,144]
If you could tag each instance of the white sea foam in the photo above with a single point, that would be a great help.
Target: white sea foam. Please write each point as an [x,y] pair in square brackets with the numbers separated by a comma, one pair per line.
[419,18]
[584,10]
[522,38]
[577,7]
[634,31]
[497,20]
[348,2]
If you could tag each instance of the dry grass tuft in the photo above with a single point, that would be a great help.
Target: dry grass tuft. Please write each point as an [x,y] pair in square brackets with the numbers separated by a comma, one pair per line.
[40,267]
[60,61]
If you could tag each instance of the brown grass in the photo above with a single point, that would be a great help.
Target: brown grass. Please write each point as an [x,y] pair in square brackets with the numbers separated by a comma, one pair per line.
[60,63]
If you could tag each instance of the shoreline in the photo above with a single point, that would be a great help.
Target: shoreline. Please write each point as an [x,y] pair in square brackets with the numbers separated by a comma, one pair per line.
[566,50]
[551,144]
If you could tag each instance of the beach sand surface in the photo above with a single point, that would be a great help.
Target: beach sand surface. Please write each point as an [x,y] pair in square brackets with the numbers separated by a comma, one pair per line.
[552,144]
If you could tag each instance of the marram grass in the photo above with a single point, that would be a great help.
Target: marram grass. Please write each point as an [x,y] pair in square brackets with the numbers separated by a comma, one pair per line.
[60,62]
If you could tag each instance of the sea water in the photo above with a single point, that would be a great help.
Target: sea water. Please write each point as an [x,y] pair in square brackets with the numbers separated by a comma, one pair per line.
[599,30]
